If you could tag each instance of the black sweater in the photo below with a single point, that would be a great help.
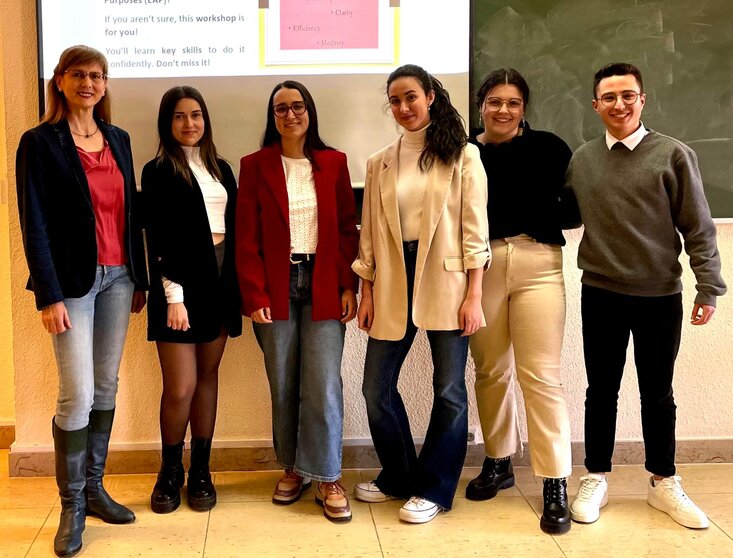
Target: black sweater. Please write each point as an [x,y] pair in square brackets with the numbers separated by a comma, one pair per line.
[525,179]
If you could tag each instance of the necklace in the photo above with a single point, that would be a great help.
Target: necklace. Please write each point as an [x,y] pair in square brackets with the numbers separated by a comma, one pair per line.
[84,135]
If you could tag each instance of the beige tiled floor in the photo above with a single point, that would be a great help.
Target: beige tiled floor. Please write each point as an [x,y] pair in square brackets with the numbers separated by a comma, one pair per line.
[246,524]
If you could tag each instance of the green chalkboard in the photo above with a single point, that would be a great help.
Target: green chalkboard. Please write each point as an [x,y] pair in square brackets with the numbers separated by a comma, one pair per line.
[684,49]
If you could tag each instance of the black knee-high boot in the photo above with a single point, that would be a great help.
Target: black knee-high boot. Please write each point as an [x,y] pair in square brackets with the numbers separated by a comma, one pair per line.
[70,449]
[200,489]
[166,496]
[98,502]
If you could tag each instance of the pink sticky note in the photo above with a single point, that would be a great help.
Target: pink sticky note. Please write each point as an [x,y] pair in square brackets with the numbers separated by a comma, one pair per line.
[328,24]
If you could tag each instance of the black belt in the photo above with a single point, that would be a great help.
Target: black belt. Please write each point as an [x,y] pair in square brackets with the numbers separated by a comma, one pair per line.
[301,258]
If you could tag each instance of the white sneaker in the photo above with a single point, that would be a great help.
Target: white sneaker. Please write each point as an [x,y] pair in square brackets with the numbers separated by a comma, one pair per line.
[418,510]
[668,496]
[592,496]
[369,492]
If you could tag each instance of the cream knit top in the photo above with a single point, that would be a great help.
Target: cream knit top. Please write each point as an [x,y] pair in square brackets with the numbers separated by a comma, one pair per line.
[411,183]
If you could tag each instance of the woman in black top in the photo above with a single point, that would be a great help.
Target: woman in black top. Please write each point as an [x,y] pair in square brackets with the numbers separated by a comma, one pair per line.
[194,300]
[523,298]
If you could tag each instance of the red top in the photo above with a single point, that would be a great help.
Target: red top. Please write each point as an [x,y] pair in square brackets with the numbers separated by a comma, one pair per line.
[107,188]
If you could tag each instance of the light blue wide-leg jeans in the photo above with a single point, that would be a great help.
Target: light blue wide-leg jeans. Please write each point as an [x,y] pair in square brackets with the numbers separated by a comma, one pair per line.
[303,364]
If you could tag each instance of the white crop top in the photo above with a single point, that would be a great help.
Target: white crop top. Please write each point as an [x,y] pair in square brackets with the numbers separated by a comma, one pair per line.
[215,195]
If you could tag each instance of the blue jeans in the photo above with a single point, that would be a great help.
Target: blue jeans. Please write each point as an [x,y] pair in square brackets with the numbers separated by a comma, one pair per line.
[435,473]
[303,364]
[88,355]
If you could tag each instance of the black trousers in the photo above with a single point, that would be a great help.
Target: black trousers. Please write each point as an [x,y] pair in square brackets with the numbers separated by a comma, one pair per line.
[656,324]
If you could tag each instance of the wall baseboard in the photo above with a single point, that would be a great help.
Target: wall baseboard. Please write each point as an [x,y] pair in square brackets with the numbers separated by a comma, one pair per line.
[7,435]
[34,462]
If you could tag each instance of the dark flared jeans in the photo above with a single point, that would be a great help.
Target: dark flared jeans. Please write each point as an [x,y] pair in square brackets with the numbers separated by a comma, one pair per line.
[434,474]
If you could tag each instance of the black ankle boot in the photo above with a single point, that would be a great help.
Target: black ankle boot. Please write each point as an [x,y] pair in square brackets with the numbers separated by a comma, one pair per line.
[496,474]
[70,451]
[200,489]
[556,514]
[98,502]
[166,496]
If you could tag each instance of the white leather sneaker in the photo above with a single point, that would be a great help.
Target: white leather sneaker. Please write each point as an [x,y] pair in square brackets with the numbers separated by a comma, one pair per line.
[418,510]
[369,492]
[668,496]
[592,496]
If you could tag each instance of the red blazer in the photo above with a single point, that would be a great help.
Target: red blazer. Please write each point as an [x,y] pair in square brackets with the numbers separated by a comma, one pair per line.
[263,234]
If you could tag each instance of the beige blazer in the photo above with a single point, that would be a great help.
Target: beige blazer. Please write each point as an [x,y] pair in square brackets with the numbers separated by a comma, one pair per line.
[454,237]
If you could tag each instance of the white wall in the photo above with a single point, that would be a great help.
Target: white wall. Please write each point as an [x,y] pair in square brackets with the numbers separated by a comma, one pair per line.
[703,385]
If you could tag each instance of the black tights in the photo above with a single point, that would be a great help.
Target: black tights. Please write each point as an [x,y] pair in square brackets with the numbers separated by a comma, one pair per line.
[190,388]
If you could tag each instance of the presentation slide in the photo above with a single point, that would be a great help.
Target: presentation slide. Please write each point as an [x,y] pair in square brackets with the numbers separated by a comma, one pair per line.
[235,51]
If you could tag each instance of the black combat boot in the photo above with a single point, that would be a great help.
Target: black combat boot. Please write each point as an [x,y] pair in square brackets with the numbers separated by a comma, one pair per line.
[496,474]
[555,518]
[200,489]
[166,496]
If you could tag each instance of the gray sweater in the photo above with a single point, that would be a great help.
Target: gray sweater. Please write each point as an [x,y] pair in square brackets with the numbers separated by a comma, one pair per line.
[635,205]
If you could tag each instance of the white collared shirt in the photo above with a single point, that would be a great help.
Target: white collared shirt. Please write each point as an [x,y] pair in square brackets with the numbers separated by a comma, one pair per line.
[630,141]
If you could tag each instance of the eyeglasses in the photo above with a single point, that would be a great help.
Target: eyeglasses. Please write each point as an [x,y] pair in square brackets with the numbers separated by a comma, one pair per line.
[628,98]
[81,75]
[495,103]
[281,111]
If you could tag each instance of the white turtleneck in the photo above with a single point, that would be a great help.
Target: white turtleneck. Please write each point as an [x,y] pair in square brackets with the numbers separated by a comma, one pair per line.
[215,195]
[411,183]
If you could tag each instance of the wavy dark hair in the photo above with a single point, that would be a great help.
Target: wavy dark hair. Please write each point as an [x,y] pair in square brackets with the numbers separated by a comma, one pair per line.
[502,76]
[169,150]
[617,69]
[56,107]
[313,141]
[445,138]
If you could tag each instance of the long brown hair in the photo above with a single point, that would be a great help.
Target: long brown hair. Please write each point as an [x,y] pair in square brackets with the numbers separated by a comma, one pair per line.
[445,138]
[169,149]
[56,107]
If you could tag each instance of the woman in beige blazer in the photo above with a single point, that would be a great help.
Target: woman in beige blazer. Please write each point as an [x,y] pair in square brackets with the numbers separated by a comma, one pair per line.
[423,249]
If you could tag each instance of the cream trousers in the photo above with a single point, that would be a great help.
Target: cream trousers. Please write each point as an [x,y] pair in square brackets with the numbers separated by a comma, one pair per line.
[524,305]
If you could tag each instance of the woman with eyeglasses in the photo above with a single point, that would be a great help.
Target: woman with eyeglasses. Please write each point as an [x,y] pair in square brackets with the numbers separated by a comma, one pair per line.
[191,197]
[296,239]
[523,298]
[422,253]
[77,202]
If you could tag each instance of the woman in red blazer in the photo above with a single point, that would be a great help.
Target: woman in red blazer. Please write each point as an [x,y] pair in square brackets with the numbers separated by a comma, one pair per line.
[295,240]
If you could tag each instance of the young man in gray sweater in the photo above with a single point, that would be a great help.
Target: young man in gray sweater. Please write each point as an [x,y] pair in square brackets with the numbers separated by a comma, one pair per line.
[637,191]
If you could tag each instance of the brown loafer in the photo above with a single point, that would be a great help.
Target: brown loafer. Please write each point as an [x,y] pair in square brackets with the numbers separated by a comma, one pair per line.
[332,496]
[289,488]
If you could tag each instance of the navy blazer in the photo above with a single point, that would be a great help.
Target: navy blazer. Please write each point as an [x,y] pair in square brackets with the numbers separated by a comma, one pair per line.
[57,217]
[180,249]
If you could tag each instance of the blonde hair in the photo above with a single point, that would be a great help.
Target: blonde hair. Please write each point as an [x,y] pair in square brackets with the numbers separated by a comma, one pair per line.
[56,107]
